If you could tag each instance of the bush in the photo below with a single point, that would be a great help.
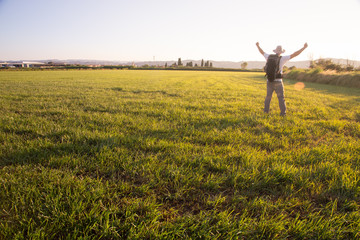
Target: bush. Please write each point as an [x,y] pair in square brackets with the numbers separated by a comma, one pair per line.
[317,75]
[316,70]
[293,74]
[328,64]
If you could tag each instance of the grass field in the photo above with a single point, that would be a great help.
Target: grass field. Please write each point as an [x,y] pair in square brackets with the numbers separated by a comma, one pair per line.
[104,154]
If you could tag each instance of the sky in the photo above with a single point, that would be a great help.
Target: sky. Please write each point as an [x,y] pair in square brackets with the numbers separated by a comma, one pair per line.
[163,30]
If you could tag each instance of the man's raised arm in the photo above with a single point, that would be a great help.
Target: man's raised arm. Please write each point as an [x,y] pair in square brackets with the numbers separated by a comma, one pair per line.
[299,51]
[260,50]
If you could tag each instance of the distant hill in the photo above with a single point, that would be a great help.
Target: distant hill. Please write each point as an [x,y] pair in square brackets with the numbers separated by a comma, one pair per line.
[218,64]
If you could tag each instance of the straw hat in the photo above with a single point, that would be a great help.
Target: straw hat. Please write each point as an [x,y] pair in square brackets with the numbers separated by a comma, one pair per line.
[279,50]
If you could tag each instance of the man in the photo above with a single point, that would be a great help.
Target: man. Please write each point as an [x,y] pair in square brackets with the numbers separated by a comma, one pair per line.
[277,84]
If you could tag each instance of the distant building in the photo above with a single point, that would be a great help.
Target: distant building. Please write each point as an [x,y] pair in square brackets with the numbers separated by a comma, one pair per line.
[21,64]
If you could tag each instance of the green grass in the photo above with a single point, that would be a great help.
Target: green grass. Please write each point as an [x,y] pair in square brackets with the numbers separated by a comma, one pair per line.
[104,154]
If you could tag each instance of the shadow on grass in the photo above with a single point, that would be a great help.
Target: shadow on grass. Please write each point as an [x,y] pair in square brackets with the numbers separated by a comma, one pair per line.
[62,143]
[185,194]
[162,92]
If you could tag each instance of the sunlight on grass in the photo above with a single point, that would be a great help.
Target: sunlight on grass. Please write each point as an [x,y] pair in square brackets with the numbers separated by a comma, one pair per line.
[175,154]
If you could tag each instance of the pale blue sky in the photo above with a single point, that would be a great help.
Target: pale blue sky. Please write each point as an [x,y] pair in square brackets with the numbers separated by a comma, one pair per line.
[132,30]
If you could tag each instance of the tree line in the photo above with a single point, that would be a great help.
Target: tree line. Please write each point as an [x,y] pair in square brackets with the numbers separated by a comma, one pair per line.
[179,63]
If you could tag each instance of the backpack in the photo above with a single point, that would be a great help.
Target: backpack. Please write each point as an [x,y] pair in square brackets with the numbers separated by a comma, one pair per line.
[272,68]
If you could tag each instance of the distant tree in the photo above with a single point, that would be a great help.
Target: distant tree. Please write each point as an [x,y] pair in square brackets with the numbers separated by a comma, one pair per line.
[244,65]
[350,68]
[207,64]
[202,62]
[196,65]
[312,64]
[179,62]
[311,59]
[166,65]
[326,64]
[211,65]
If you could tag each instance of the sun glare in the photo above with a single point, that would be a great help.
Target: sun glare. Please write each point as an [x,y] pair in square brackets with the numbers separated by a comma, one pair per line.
[299,86]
